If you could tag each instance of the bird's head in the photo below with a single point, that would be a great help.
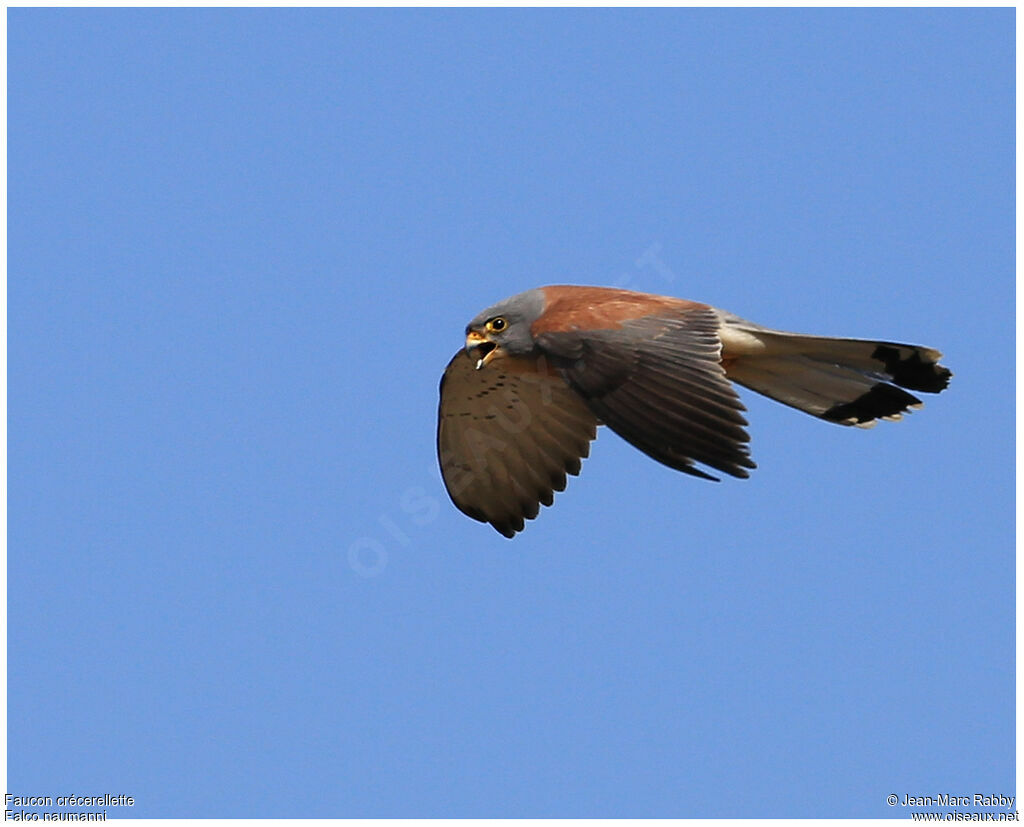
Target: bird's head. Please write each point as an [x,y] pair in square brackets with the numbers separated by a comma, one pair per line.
[504,329]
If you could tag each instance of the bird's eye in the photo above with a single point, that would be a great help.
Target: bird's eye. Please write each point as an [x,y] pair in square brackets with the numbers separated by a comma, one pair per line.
[497,325]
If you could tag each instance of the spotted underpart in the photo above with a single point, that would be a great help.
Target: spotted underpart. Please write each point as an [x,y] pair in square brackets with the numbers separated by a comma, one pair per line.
[507,437]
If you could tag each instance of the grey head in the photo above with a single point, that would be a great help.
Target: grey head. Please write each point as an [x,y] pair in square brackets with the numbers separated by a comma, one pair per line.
[503,329]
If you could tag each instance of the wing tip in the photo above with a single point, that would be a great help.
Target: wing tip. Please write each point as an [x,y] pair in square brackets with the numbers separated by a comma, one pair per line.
[506,529]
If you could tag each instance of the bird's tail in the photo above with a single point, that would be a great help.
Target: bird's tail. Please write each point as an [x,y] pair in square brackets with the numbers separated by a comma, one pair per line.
[847,381]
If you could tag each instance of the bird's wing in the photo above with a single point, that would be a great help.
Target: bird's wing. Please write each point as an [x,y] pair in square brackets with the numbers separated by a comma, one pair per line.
[658,382]
[506,437]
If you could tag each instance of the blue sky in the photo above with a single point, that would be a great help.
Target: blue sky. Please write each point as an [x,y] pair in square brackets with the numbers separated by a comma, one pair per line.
[243,245]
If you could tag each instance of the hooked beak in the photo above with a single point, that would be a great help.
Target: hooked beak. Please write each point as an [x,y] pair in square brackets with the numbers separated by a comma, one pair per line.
[480,349]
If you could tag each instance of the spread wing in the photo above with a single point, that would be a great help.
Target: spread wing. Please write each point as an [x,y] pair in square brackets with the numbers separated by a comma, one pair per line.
[658,382]
[507,435]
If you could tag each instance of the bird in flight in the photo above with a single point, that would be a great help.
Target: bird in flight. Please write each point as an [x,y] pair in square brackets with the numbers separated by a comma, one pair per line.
[541,370]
